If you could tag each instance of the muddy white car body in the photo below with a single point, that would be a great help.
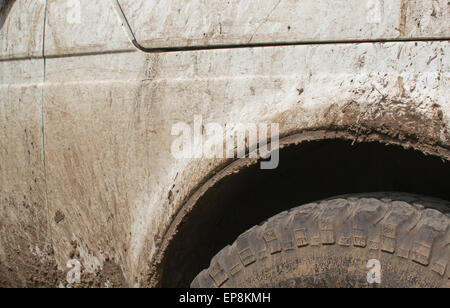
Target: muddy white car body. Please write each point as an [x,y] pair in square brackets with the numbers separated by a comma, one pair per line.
[90,90]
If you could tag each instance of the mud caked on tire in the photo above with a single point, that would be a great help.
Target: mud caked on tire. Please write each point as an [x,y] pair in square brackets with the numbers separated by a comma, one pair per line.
[330,244]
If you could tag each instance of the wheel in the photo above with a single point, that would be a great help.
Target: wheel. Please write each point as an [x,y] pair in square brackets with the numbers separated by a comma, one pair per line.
[370,240]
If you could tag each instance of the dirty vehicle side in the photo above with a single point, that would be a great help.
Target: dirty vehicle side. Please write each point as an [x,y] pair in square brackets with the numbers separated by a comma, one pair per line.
[90,91]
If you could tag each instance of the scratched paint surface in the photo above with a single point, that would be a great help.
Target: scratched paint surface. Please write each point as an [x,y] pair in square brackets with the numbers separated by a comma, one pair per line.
[171,23]
[175,23]
[21,29]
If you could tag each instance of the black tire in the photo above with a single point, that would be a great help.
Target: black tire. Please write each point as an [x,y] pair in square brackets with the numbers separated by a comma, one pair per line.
[329,244]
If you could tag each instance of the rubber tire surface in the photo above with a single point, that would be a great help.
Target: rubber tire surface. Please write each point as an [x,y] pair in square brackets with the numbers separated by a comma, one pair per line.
[329,244]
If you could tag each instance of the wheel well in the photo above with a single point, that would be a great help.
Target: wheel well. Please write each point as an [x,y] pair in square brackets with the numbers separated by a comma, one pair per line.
[308,171]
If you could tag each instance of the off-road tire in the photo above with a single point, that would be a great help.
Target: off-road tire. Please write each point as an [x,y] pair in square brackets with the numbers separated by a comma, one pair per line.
[329,244]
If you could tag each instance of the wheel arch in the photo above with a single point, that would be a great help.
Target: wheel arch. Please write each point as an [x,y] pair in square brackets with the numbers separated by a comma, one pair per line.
[162,271]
